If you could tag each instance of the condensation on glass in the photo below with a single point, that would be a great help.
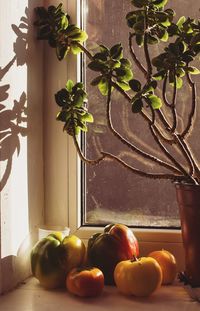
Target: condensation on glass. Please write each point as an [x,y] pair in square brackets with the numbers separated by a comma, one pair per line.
[112,193]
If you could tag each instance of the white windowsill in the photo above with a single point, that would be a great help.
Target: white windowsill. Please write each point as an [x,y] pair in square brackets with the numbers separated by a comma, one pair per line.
[31,297]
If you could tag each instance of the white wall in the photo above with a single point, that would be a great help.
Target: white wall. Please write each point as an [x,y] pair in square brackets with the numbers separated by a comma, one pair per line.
[21,135]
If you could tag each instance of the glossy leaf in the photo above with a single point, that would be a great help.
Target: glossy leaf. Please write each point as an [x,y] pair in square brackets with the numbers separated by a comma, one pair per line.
[135,85]
[103,86]
[155,101]
[137,106]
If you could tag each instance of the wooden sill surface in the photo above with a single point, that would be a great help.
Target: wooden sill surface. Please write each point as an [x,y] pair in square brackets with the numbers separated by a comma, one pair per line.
[31,297]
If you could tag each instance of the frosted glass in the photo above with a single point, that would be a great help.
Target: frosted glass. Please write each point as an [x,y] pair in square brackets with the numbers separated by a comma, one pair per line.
[113,194]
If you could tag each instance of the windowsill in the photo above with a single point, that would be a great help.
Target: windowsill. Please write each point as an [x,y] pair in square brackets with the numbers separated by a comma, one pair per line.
[31,297]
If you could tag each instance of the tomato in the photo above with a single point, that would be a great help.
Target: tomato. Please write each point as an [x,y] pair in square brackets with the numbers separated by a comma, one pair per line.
[106,249]
[168,265]
[53,257]
[139,277]
[85,282]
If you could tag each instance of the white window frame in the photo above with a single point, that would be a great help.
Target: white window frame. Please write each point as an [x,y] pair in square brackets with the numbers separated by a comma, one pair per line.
[149,239]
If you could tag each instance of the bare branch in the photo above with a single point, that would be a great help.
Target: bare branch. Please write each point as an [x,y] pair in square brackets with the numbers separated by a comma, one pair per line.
[191,118]
[142,173]
[83,158]
[134,57]
[131,145]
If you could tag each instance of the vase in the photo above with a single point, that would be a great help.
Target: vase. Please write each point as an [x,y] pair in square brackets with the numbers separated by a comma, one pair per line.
[188,198]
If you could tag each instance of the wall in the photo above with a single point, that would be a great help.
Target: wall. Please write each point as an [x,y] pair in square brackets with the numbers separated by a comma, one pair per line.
[21,136]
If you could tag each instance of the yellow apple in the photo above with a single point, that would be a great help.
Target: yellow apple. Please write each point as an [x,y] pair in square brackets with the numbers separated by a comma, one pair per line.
[139,277]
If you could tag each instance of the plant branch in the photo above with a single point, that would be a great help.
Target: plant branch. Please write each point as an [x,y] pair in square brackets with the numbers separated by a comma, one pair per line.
[86,51]
[83,158]
[134,57]
[130,145]
[142,173]
[164,149]
[186,131]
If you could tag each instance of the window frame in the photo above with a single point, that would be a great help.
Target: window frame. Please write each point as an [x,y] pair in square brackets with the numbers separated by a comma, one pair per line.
[149,239]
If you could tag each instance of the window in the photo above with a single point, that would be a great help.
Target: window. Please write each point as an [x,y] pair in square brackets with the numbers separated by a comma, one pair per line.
[113,194]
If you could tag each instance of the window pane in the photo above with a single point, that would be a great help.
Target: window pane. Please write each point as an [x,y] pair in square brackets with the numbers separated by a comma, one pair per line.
[112,193]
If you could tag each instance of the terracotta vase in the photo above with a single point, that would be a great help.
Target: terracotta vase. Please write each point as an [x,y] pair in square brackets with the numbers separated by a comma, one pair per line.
[188,197]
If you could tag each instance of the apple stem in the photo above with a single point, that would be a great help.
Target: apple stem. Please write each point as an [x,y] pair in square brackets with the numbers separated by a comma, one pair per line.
[134,258]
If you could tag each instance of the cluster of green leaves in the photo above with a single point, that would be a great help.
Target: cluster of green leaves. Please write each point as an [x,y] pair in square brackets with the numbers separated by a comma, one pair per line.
[144,95]
[150,19]
[175,61]
[72,99]
[111,65]
[54,26]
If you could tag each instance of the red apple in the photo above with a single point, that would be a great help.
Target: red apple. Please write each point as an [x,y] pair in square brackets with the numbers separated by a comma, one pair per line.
[106,249]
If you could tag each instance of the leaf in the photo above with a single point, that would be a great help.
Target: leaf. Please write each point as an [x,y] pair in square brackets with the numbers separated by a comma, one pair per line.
[97,65]
[103,86]
[87,117]
[156,102]
[139,39]
[64,22]
[180,22]
[61,51]
[125,62]
[158,76]
[193,70]
[69,85]
[165,37]
[124,85]
[123,74]
[96,81]
[135,85]
[116,52]
[160,3]
[137,105]
[74,48]
[81,36]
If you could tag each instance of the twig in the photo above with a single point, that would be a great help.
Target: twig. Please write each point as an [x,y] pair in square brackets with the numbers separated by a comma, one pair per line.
[142,173]
[191,118]
[130,145]
[134,57]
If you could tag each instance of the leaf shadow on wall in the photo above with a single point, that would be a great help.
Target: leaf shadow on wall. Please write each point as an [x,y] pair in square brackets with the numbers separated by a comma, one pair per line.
[19,119]
[12,121]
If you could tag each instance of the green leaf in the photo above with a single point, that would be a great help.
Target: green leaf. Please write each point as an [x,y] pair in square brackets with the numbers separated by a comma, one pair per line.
[160,3]
[123,74]
[156,102]
[97,65]
[81,36]
[125,62]
[139,27]
[152,40]
[96,81]
[61,51]
[180,22]
[139,39]
[74,48]
[179,82]
[124,85]
[135,85]
[64,22]
[69,85]
[158,76]
[103,86]
[137,105]
[87,117]
[165,37]
[116,52]
[193,70]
